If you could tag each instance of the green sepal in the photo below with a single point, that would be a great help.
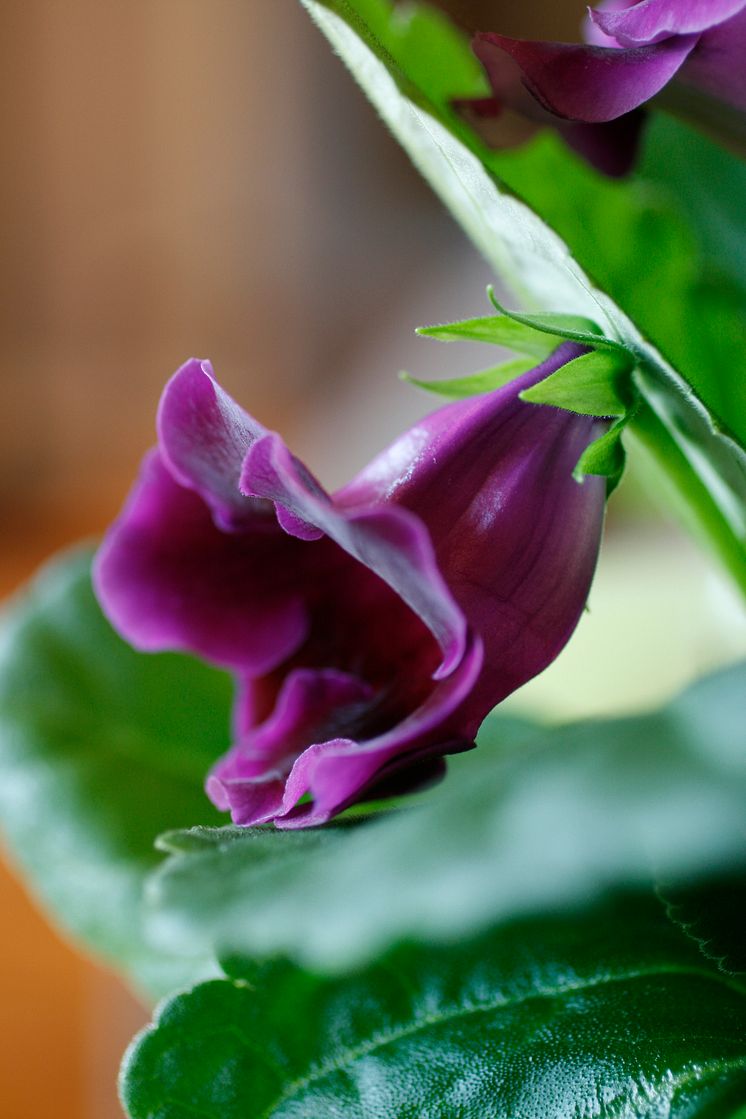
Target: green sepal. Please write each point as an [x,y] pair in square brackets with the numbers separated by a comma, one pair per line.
[497,330]
[486,380]
[594,384]
[572,328]
[605,456]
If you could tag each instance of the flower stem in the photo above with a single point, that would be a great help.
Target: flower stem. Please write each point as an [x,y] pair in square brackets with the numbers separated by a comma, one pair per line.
[693,496]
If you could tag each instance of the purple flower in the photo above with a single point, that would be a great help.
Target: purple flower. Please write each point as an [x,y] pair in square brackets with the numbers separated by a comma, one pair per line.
[371,631]
[634,51]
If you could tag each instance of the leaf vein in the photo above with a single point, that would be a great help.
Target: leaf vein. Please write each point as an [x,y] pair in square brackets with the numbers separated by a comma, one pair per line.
[380,1041]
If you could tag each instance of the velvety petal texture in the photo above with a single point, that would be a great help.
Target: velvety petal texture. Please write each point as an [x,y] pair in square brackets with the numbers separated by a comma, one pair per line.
[718,66]
[156,570]
[650,21]
[581,82]
[203,436]
[633,51]
[491,478]
[369,631]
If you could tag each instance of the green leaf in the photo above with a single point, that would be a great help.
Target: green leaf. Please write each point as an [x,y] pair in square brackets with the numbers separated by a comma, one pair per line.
[613,1013]
[539,819]
[632,237]
[101,748]
[713,914]
[709,184]
[506,330]
[595,384]
[485,381]
[605,456]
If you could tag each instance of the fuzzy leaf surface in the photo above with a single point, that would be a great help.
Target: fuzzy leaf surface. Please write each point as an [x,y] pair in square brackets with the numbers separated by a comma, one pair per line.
[532,819]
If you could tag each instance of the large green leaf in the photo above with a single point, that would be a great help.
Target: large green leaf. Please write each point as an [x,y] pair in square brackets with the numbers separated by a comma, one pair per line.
[520,825]
[713,913]
[709,184]
[633,238]
[101,748]
[612,1014]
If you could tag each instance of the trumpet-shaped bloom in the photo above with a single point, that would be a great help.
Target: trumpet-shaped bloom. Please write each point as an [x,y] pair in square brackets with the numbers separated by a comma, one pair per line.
[369,631]
[634,50]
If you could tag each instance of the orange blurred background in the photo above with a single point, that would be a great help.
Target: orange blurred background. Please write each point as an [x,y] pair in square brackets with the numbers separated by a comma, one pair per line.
[189,177]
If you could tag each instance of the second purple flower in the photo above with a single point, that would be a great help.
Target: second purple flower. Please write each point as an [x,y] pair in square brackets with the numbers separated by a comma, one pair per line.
[370,632]
[591,91]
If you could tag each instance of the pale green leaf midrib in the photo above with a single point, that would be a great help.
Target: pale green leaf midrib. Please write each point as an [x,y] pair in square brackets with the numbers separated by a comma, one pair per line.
[381,1041]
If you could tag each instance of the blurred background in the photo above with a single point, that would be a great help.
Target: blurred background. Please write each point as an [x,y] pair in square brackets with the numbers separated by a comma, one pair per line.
[202,177]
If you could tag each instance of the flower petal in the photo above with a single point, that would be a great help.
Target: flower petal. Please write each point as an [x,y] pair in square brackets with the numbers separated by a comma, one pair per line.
[310,705]
[578,81]
[718,65]
[592,33]
[610,147]
[168,578]
[250,802]
[514,535]
[652,20]
[389,541]
[338,772]
[203,437]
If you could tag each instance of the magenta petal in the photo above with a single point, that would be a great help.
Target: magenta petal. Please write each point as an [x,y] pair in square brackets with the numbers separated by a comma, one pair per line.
[653,20]
[718,65]
[412,773]
[203,436]
[388,540]
[309,707]
[610,147]
[296,526]
[249,802]
[168,578]
[592,33]
[581,82]
[515,536]
[336,773]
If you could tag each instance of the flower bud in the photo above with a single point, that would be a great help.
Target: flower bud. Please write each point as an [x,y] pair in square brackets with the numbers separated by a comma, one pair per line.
[369,631]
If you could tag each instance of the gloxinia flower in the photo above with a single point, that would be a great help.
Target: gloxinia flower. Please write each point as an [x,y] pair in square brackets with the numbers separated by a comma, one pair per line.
[371,631]
[635,49]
